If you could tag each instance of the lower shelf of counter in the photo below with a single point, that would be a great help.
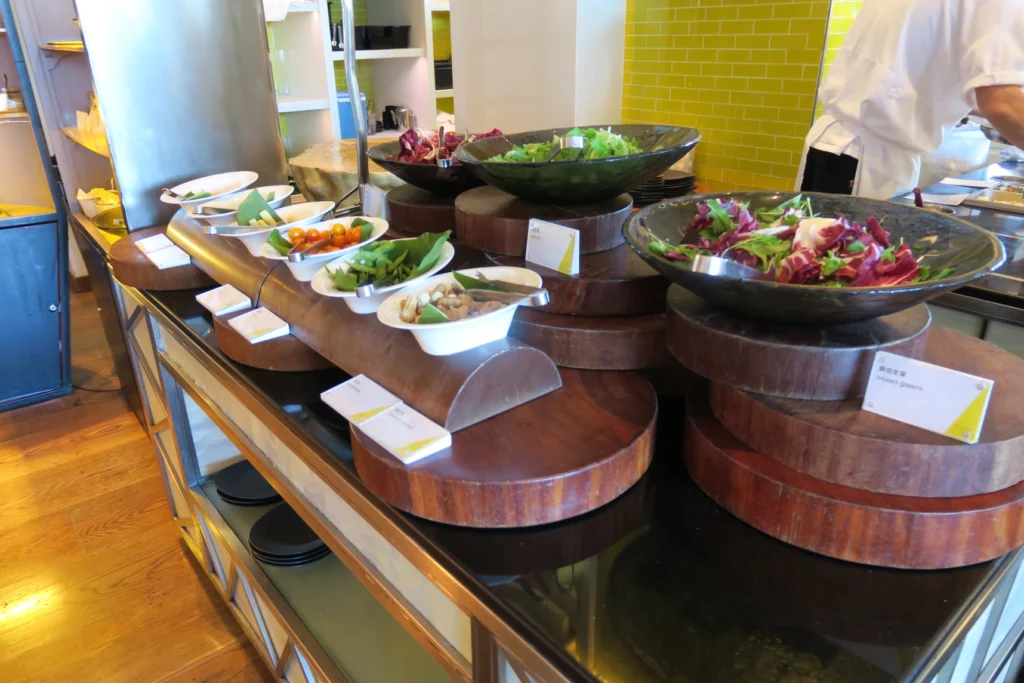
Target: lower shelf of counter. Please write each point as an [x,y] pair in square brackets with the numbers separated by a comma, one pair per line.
[346,621]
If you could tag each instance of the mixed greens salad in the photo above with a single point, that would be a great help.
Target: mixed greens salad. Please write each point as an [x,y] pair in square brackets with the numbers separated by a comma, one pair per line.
[792,245]
[599,143]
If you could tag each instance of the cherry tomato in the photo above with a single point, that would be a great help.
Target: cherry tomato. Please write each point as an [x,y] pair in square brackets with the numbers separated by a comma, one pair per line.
[296,235]
[337,229]
[338,240]
[354,235]
[330,247]
[312,235]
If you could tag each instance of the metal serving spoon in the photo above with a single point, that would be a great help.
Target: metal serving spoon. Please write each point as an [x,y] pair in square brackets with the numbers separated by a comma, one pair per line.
[716,266]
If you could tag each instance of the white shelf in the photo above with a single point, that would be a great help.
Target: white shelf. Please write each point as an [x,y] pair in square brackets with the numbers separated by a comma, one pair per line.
[398,53]
[90,142]
[288,104]
[447,92]
[304,7]
[440,6]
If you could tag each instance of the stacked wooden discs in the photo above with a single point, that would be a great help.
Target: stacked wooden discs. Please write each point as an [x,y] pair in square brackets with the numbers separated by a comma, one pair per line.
[133,269]
[610,316]
[780,441]
[414,211]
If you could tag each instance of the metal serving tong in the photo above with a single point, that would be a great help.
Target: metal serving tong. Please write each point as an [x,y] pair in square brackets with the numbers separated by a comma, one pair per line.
[515,293]
[574,142]
[441,163]
[717,266]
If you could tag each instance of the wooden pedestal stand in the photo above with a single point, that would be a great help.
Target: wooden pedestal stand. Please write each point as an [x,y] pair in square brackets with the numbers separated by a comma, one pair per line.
[133,269]
[827,477]
[608,317]
[414,211]
[557,457]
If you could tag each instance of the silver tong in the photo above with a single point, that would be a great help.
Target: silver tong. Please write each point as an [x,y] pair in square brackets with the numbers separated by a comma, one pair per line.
[574,142]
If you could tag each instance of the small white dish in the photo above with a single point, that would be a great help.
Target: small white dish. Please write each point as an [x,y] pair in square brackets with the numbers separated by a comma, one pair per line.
[294,216]
[323,285]
[445,339]
[218,185]
[304,270]
[232,201]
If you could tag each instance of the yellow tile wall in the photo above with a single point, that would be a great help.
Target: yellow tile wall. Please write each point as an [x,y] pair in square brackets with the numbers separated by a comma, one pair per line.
[442,29]
[743,72]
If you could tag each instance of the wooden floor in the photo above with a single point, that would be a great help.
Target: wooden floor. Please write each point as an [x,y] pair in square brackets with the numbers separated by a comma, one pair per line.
[95,584]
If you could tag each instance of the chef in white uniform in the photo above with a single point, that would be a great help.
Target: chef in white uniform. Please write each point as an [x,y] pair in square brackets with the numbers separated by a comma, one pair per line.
[908,70]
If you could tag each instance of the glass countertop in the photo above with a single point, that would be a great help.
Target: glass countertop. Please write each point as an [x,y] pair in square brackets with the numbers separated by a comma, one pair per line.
[661,585]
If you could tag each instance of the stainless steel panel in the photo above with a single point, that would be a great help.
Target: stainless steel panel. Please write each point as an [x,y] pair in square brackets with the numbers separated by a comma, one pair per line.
[185,90]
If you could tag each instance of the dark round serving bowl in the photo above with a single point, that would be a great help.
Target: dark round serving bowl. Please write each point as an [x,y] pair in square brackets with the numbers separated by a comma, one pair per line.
[447,181]
[577,182]
[937,240]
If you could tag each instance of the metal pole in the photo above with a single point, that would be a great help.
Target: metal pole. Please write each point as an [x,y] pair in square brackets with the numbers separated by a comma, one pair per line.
[348,25]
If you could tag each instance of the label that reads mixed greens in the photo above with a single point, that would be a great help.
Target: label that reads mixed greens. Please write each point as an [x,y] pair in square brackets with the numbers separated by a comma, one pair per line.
[599,143]
[389,262]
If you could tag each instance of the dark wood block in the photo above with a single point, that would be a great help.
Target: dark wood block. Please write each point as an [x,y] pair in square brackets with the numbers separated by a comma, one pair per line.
[588,343]
[414,211]
[496,222]
[612,282]
[554,458]
[843,522]
[838,442]
[453,391]
[283,354]
[815,363]
[132,268]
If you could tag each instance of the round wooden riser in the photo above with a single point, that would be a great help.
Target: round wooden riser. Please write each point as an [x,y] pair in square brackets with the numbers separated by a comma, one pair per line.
[502,472]
[496,222]
[612,282]
[415,211]
[843,522]
[283,354]
[838,442]
[587,343]
[812,363]
[133,269]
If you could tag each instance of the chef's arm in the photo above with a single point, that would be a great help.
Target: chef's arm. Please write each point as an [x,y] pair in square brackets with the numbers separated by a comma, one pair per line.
[1003,106]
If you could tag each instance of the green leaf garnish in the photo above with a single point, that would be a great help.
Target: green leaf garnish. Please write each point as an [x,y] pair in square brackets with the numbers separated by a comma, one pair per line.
[855,248]
[279,243]
[888,256]
[253,207]
[831,264]
[765,247]
[468,282]
[431,315]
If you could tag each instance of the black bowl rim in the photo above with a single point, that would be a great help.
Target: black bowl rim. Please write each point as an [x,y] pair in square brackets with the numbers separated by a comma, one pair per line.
[998,258]
[555,131]
[382,156]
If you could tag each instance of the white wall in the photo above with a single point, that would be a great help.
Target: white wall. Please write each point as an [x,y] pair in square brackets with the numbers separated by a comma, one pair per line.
[534,64]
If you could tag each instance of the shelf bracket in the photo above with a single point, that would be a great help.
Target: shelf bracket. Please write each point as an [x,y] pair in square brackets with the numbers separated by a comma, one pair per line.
[362,163]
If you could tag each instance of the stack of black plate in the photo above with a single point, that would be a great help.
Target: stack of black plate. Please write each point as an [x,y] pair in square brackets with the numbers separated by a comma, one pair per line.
[282,539]
[241,484]
[678,183]
[649,192]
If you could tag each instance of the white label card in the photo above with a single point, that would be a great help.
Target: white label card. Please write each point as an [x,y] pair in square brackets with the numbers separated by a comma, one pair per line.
[154,243]
[928,396]
[553,246]
[961,182]
[259,325]
[406,434]
[360,399]
[373,202]
[169,257]
[223,300]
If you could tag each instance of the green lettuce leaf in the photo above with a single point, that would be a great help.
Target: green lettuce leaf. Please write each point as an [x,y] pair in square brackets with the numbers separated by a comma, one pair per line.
[252,207]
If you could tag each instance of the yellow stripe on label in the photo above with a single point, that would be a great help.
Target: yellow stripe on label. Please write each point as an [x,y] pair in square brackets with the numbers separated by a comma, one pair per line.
[410,448]
[362,417]
[565,266]
[260,333]
[968,424]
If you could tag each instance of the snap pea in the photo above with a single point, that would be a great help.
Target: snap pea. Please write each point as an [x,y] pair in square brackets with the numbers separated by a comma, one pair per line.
[361,268]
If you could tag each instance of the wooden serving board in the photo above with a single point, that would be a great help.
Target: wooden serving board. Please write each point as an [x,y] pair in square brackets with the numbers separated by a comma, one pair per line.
[554,458]
[496,222]
[814,363]
[282,354]
[612,282]
[843,522]
[132,268]
[589,343]
[838,442]
[415,211]
[453,391]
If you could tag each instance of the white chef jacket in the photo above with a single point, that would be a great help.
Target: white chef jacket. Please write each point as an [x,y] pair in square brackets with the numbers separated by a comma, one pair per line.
[905,74]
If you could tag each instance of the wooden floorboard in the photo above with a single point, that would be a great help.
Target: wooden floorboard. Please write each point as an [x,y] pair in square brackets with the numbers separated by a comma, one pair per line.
[96,584]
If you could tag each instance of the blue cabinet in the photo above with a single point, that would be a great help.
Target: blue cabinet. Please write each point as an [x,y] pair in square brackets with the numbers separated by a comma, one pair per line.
[31,280]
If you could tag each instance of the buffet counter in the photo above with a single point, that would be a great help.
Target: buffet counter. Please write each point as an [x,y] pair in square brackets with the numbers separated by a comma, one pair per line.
[659,585]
